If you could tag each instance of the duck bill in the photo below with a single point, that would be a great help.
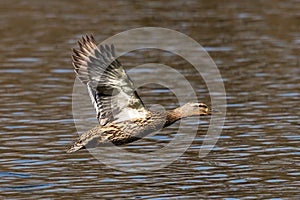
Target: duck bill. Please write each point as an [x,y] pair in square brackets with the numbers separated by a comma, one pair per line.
[214,111]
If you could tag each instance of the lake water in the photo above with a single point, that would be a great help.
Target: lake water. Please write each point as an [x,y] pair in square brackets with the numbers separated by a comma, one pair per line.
[256,48]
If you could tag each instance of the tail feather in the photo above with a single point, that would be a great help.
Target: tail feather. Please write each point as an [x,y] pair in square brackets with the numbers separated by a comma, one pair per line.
[90,139]
[75,147]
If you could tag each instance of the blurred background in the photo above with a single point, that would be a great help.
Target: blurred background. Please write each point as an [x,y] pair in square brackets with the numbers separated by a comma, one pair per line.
[255,45]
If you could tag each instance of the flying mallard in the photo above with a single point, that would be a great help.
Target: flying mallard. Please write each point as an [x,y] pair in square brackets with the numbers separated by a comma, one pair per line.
[121,114]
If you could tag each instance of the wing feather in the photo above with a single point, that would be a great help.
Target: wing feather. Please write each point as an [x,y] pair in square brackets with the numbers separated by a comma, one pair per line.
[111,91]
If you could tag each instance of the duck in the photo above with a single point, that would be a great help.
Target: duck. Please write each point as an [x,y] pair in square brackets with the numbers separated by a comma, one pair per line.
[122,116]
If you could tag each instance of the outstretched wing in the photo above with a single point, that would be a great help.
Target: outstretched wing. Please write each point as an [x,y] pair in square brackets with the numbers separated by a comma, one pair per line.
[111,90]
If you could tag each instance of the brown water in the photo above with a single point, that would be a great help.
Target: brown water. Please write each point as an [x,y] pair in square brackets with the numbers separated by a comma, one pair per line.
[256,47]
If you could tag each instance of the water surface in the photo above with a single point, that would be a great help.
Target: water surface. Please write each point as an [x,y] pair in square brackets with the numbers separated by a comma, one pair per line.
[256,47]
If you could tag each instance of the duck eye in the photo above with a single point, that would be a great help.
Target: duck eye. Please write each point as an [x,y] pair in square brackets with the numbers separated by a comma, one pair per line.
[202,106]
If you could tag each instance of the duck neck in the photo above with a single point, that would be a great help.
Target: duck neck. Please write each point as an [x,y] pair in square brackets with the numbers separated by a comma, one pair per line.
[173,116]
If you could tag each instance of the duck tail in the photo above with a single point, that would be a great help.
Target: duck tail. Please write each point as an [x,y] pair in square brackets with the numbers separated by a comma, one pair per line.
[75,147]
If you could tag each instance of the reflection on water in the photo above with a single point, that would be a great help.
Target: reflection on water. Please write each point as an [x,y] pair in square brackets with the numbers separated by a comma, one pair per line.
[256,47]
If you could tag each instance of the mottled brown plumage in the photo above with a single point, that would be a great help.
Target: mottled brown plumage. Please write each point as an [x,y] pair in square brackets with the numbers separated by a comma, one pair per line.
[121,113]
